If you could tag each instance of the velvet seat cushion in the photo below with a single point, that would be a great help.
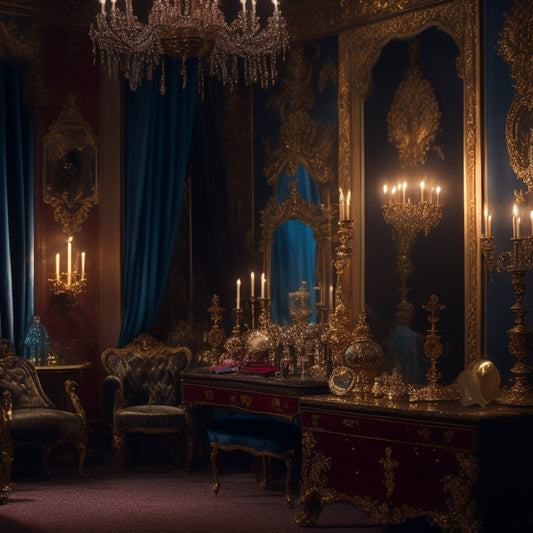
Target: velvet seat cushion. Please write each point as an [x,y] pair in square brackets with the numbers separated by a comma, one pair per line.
[41,424]
[150,417]
[257,432]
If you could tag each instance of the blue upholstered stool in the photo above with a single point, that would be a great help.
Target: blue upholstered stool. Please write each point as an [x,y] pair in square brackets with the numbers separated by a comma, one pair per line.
[260,435]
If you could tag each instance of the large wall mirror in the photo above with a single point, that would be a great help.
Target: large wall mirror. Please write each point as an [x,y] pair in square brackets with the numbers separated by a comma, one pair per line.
[440,44]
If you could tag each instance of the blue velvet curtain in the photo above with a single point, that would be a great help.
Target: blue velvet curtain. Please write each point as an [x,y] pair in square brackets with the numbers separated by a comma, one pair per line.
[16,209]
[293,250]
[156,148]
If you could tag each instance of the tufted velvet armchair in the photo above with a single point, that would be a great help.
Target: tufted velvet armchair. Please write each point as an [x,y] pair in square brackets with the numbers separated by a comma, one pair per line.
[29,418]
[142,392]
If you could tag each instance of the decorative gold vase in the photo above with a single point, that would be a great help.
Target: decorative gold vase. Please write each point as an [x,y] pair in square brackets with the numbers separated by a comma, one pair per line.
[364,356]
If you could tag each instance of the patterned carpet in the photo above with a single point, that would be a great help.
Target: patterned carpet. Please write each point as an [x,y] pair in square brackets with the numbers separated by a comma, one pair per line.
[153,499]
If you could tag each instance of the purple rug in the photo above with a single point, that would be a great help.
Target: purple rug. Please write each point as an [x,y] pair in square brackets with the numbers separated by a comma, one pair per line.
[156,500]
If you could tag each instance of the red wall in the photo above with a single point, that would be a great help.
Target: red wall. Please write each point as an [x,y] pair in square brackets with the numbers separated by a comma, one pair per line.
[68,69]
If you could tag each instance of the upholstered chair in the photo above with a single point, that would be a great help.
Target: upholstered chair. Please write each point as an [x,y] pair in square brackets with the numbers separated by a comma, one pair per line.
[142,394]
[30,418]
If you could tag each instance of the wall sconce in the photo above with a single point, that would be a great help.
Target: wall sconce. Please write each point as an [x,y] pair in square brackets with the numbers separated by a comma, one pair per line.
[70,284]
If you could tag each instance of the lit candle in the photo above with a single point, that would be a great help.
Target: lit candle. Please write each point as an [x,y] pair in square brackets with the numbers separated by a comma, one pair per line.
[243,2]
[403,189]
[238,293]
[531,219]
[518,228]
[393,192]
[422,191]
[331,296]
[488,226]
[69,261]
[57,267]
[253,6]
[347,214]
[515,212]
[103,5]
[486,215]
[438,192]
[341,205]
[113,2]
[263,285]
[385,194]
[252,284]
[275,3]
[82,264]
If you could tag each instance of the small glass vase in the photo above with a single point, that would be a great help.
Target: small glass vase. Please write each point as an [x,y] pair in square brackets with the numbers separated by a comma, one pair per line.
[36,343]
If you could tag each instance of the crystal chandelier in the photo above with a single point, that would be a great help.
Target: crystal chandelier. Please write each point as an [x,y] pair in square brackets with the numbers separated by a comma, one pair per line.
[243,49]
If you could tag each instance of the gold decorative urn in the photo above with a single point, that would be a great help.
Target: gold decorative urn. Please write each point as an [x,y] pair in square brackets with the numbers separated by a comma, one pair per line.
[364,356]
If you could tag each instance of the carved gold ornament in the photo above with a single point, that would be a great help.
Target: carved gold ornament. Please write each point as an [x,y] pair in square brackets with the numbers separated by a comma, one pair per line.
[414,116]
[516,48]
[70,183]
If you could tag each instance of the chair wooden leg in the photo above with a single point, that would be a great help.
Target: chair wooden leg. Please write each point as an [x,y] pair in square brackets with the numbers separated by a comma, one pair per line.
[119,446]
[82,454]
[266,473]
[214,469]
[288,464]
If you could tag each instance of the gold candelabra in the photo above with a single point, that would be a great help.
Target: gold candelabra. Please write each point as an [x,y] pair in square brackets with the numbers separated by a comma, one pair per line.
[340,320]
[407,220]
[70,284]
[517,261]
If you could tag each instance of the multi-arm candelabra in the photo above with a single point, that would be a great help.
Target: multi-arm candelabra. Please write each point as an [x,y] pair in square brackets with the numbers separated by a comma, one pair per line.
[517,261]
[407,220]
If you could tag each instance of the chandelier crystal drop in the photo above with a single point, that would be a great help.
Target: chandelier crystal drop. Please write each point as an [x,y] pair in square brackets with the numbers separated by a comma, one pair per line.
[244,49]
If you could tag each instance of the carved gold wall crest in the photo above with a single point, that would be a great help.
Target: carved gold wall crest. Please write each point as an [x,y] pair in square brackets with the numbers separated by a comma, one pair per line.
[414,116]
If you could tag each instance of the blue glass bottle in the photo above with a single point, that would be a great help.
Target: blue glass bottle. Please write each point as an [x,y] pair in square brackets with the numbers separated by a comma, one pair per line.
[36,343]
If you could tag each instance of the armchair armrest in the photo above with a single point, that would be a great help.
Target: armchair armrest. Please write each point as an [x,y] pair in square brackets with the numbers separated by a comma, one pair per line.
[71,388]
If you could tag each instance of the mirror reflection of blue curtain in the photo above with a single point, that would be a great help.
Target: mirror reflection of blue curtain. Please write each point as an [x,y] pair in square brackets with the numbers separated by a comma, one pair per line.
[16,210]
[293,250]
[157,136]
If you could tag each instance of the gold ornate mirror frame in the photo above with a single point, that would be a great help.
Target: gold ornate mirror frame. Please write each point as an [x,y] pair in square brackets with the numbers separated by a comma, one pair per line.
[359,50]
[70,180]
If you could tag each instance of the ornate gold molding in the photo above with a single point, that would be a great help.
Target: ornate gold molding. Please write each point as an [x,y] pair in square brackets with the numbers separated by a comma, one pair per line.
[516,48]
[302,141]
[414,116]
[359,50]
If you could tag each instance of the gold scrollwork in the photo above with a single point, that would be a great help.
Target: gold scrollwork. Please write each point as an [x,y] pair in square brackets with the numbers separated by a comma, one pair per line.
[414,116]
[389,466]
[70,181]
[516,48]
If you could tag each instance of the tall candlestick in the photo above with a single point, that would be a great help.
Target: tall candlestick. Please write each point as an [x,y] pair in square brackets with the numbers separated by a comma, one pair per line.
[57,267]
[82,264]
[263,285]
[252,284]
[347,213]
[69,262]
[238,300]
[341,205]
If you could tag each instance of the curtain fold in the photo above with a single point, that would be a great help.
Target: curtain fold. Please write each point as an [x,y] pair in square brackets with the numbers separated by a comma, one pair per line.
[16,210]
[293,250]
[157,138]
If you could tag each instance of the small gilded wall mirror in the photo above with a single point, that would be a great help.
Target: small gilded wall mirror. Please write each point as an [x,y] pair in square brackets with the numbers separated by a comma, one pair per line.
[70,181]
[342,380]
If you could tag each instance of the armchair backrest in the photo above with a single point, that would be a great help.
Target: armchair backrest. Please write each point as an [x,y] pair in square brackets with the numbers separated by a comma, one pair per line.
[19,377]
[148,369]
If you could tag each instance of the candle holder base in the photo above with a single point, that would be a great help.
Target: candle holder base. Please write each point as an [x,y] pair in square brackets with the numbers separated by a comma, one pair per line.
[68,293]
[520,393]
